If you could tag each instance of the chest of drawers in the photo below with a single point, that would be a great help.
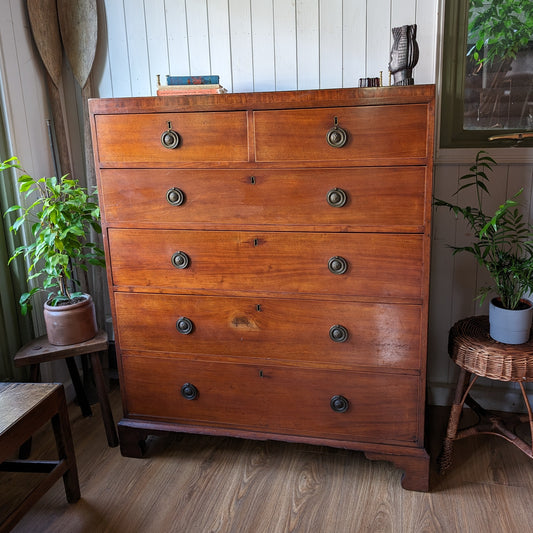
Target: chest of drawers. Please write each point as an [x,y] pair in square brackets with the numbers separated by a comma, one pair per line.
[268,265]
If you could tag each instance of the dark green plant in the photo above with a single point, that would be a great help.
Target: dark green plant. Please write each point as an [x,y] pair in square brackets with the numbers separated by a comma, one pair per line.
[503,26]
[503,241]
[61,215]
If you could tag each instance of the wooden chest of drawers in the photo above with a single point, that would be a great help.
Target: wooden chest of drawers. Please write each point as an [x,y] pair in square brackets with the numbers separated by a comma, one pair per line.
[268,265]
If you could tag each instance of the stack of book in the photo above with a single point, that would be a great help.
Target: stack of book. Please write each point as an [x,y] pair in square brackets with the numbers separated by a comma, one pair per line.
[190,85]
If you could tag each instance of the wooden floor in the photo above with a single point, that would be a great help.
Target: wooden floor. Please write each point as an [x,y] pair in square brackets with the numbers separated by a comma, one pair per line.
[199,484]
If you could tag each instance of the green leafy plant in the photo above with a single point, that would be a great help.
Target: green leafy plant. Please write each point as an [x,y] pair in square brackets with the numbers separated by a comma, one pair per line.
[61,214]
[503,241]
[502,26]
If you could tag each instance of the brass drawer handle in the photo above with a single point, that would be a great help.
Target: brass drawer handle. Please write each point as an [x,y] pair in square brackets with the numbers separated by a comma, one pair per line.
[339,404]
[184,325]
[180,260]
[338,333]
[337,197]
[189,391]
[170,139]
[336,136]
[337,265]
[175,196]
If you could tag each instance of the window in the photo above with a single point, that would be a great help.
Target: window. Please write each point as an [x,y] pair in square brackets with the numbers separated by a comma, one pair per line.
[487,84]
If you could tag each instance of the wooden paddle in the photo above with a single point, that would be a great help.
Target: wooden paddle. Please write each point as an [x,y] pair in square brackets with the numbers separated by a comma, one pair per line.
[78,21]
[45,29]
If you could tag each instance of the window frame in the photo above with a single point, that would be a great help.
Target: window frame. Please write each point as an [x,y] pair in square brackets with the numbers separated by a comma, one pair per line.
[452,133]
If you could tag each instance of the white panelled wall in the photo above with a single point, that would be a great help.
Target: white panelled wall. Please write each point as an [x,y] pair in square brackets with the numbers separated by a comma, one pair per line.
[265,45]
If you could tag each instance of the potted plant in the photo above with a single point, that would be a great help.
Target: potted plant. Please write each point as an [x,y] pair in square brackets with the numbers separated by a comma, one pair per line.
[503,244]
[61,214]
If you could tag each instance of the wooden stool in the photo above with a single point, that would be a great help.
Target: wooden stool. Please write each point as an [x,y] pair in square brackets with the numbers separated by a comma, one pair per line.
[41,351]
[24,408]
[478,355]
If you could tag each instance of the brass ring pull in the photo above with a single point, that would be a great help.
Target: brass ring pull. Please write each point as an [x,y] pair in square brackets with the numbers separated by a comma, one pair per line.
[170,139]
[338,333]
[339,404]
[189,391]
[175,196]
[336,136]
[337,197]
[184,325]
[180,260]
[337,265]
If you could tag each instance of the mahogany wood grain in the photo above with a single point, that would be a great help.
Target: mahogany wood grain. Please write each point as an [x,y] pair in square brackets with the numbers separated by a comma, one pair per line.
[379,335]
[203,137]
[277,262]
[300,134]
[255,171]
[378,199]
[286,399]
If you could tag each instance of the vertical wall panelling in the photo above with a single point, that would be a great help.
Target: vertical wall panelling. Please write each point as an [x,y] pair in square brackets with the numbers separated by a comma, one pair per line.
[331,50]
[156,41]
[198,37]
[354,42]
[426,20]
[219,41]
[178,45]
[403,12]
[307,44]
[137,47]
[262,18]
[378,38]
[241,45]
[285,44]
[117,50]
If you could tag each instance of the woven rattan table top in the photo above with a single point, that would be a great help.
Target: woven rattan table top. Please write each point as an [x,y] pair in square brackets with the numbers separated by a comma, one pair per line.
[472,348]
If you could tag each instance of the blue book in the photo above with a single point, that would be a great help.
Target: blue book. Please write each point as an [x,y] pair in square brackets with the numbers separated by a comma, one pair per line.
[193,80]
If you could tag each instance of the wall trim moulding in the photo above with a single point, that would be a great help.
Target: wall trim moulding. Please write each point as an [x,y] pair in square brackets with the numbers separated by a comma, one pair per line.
[459,156]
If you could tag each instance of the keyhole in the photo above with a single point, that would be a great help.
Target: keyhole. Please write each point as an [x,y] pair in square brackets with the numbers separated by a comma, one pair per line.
[252,180]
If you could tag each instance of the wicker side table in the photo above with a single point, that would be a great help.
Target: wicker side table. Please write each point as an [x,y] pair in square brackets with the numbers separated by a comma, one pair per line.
[478,355]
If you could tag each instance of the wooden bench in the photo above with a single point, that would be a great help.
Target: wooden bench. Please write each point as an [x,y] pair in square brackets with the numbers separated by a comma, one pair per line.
[24,408]
[41,351]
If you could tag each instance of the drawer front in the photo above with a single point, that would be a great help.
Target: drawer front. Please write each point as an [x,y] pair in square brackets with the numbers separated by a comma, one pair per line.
[373,197]
[295,401]
[373,265]
[336,333]
[374,133]
[130,139]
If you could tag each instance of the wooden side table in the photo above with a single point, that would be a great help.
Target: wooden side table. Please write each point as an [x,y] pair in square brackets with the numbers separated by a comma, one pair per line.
[478,355]
[41,351]
[24,408]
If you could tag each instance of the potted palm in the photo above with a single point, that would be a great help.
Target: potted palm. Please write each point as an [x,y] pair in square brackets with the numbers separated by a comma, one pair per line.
[503,244]
[61,214]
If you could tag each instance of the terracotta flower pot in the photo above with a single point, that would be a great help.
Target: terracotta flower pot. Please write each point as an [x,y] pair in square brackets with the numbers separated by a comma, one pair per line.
[72,323]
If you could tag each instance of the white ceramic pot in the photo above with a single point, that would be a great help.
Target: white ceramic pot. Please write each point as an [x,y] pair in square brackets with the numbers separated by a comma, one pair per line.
[510,326]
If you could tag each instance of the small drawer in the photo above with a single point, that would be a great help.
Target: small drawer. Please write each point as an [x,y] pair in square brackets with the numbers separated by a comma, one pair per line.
[352,334]
[374,135]
[348,264]
[132,139]
[374,198]
[268,398]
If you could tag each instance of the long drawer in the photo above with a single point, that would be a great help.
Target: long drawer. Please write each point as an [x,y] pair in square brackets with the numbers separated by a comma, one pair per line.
[374,133]
[373,198]
[379,407]
[328,332]
[137,138]
[373,265]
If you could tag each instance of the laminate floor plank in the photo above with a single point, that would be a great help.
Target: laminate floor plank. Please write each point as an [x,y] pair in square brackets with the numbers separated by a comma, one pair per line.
[202,484]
